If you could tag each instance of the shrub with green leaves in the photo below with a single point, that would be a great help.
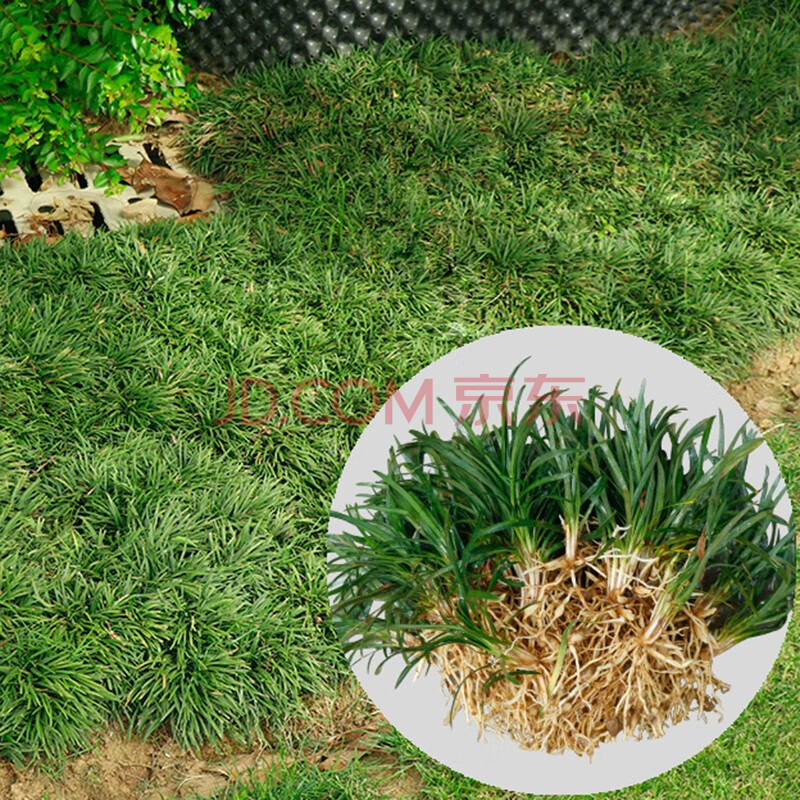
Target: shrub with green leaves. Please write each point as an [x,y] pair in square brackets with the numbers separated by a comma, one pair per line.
[571,576]
[66,64]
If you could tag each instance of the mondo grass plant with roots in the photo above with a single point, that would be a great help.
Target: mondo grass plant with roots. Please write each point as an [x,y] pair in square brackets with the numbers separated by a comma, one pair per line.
[571,576]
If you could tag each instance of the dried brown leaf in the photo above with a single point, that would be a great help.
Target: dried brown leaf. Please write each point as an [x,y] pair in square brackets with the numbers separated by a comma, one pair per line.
[202,195]
[169,186]
[560,57]
[177,116]
[141,211]
[71,213]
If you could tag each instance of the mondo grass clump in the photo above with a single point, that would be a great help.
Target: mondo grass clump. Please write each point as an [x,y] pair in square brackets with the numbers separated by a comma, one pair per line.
[571,576]
[150,584]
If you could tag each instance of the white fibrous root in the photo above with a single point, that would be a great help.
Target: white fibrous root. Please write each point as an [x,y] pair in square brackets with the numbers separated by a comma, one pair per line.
[589,658]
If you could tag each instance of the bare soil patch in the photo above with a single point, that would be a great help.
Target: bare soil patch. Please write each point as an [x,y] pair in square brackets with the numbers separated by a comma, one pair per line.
[771,392]
[332,732]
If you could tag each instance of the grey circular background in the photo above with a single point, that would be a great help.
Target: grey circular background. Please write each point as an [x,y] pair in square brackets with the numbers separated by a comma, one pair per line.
[602,357]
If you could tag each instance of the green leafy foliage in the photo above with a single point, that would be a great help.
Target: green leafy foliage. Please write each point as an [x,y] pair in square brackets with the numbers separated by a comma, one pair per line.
[450,514]
[67,63]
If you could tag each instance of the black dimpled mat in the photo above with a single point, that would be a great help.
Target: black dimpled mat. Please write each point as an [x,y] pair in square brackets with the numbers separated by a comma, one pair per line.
[241,35]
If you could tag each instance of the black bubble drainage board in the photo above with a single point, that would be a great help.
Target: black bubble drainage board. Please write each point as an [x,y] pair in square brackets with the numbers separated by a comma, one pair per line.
[242,35]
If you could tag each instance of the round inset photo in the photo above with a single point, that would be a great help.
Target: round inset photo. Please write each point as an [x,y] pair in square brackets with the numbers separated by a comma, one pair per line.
[561,560]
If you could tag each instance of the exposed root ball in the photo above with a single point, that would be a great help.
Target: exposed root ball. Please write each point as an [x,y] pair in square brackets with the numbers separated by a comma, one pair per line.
[579,669]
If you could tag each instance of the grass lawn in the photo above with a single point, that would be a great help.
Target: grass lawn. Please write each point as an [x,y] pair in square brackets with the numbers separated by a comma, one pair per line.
[166,572]
[296,782]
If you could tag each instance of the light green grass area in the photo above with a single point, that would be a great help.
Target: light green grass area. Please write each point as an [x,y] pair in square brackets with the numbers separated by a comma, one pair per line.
[300,781]
[164,570]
